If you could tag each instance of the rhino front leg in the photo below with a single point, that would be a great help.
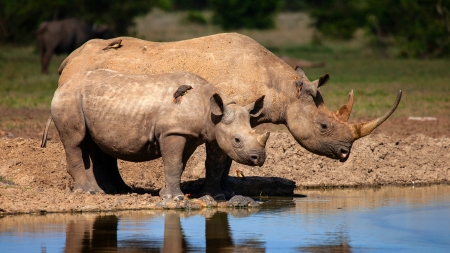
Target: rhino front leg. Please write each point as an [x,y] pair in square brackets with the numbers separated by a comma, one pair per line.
[217,168]
[226,165]
[172,149]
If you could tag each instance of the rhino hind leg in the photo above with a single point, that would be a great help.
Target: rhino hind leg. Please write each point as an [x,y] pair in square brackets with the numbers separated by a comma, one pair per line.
[76,146]
[226,165]
[77,163]
[45,59]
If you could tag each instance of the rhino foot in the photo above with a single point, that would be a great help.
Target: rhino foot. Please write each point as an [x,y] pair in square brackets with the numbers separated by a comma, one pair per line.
[87,189]
[217,195]
[228,193]
[175,195]
[172,197]
[113,189]
[178,198]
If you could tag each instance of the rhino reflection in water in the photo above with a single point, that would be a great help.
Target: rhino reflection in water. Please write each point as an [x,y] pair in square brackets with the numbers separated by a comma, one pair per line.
[92,234]
[243,70]
[99,234]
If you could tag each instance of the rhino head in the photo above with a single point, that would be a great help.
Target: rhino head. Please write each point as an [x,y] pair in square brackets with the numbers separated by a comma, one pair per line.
[234,134]
[321,131]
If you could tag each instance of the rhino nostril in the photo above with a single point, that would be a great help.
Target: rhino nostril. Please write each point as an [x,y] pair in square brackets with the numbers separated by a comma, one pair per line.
[343,152]
[254,158]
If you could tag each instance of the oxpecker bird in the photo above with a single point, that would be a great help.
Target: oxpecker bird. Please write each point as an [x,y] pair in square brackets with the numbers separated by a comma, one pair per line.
[240,175]
[115,44]
[181,91]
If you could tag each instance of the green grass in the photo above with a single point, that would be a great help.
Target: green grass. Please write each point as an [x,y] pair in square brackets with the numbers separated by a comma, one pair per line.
[374,79]
[21,84]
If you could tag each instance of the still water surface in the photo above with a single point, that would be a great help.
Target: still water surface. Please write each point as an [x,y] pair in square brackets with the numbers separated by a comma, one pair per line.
[387,219]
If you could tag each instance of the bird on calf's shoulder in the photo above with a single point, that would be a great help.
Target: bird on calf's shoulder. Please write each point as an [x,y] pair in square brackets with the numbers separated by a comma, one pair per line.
[180,92]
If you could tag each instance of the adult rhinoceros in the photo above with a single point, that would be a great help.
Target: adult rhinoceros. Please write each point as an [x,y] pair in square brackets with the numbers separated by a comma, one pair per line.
[103,115]
[244,70]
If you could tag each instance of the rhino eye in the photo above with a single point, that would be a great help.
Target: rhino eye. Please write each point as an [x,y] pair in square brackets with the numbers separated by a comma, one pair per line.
[324,126]
[237,141]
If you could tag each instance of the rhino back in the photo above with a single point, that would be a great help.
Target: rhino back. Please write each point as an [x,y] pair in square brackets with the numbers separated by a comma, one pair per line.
[255,70]
[126,115]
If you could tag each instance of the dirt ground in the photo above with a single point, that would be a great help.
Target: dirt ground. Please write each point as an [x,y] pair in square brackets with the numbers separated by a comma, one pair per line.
[34,180]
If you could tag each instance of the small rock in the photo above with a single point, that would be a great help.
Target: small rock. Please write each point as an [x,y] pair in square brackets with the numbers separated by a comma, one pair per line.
[239,201]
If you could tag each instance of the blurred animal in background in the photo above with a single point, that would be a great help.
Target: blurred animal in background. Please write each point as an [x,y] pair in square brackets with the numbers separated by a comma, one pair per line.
[302,63]
[64,36]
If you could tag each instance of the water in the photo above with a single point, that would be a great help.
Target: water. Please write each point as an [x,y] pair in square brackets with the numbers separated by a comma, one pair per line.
[388,219]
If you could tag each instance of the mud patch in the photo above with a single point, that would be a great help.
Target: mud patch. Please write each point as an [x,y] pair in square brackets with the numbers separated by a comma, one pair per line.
[35,179]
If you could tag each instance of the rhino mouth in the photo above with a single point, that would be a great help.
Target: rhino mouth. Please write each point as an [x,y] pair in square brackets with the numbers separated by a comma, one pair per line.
[253,158]
[343,154]
[257,158]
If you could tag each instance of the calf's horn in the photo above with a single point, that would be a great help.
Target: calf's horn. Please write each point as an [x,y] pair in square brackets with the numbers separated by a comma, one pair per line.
[344,112]
[362,129]
[262,139]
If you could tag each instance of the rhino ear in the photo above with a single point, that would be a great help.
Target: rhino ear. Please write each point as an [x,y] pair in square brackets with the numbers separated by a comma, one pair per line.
[323,80]
[255,108]
[299,71]
[216,105]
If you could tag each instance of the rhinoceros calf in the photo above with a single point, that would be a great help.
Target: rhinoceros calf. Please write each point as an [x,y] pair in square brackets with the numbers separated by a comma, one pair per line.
[107,115]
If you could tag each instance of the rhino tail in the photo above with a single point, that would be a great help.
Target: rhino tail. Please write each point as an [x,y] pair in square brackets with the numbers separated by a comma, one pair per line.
[45,133]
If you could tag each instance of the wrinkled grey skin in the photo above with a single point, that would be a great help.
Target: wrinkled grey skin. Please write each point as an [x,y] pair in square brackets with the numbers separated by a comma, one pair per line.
[104,115]
[64,36]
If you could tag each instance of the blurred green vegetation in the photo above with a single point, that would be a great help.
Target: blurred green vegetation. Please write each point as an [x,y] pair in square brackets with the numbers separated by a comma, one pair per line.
[231,14]
[196,17]
[412,29]
[19,19]
[415,28]
[21,84]
[376,80]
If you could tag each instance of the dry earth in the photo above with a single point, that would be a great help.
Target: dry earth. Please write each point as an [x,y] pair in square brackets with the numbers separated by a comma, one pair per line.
[33,179]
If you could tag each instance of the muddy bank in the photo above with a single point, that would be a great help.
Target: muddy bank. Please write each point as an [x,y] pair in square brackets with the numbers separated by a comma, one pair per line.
[35,179]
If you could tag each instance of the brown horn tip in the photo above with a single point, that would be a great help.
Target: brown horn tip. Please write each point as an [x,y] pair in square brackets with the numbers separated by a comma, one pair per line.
[360,130]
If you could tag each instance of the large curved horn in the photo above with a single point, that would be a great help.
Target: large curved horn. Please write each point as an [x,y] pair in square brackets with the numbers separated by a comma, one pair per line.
[262,139]
[362,129]
[344,112]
